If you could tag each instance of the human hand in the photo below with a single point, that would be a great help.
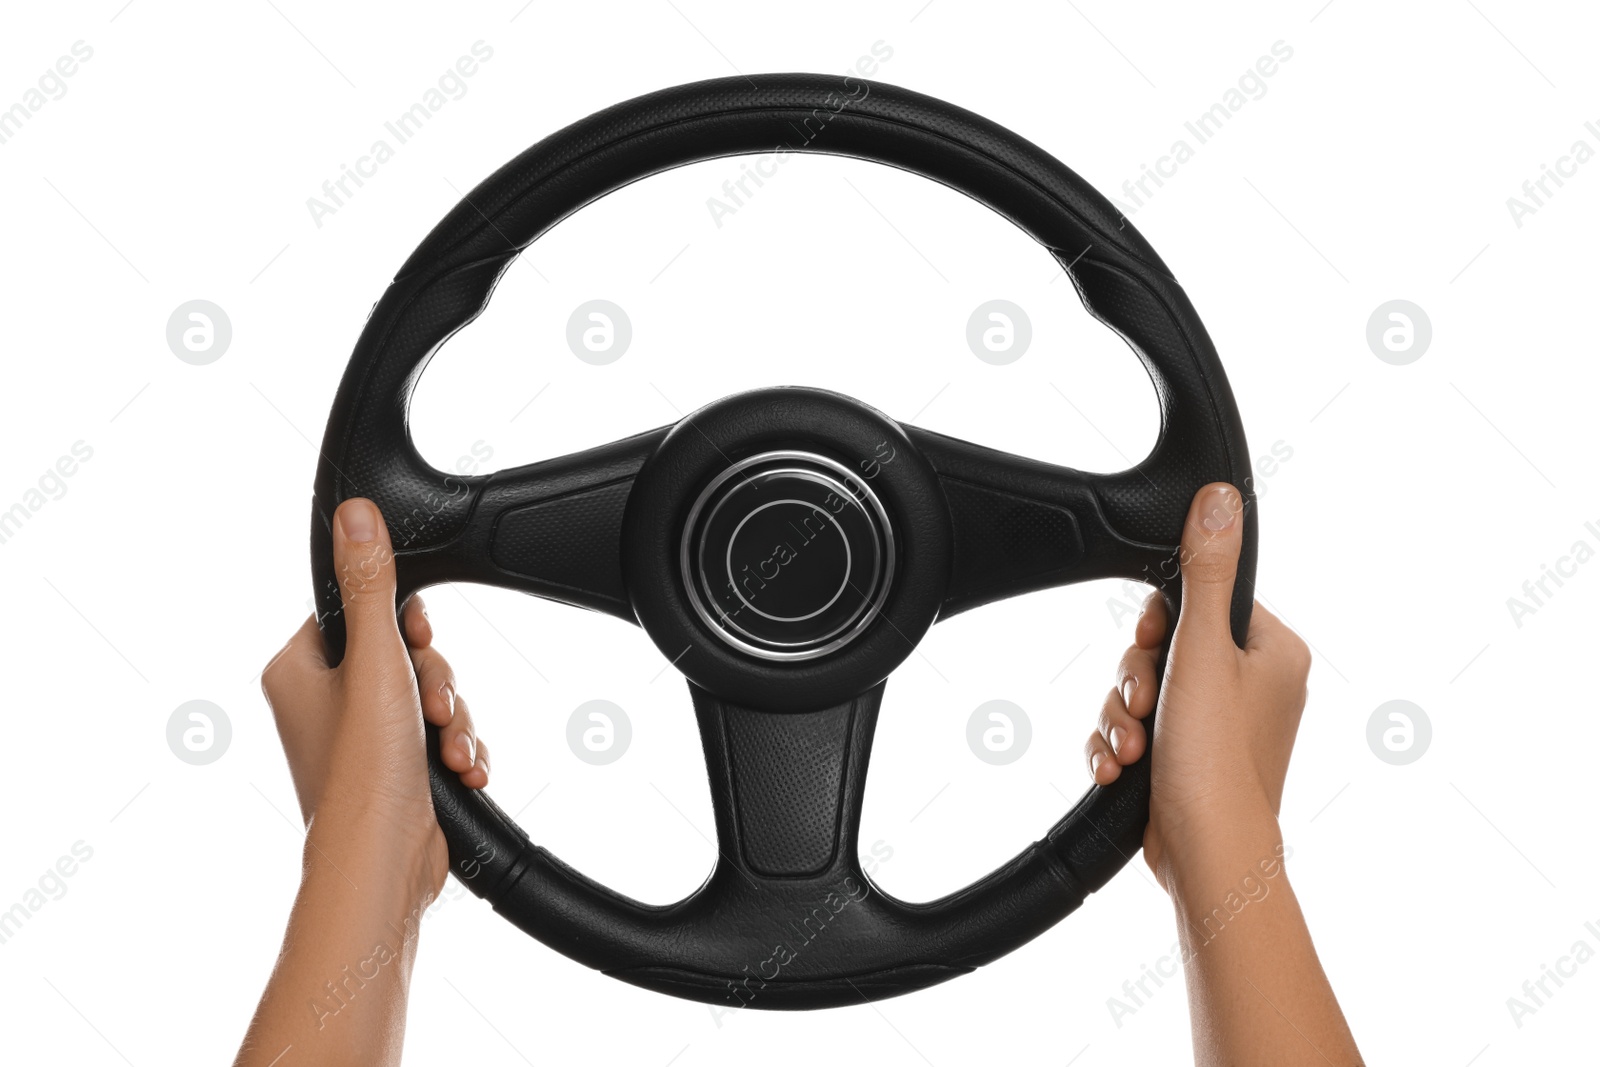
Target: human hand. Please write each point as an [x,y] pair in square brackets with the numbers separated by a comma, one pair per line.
[353,734]
[1228,715]
[374,857]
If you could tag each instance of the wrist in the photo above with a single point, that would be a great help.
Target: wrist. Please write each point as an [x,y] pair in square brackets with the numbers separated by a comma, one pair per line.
[402,863]
[1212,852]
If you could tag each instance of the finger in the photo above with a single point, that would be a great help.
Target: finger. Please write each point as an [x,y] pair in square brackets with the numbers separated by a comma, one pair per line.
[364,561]
[1152,624]
[1103,767]
[1122,731]
[458,741]
[1210,560]
[478,776]
[436,685]
[1137,680]
[418,628]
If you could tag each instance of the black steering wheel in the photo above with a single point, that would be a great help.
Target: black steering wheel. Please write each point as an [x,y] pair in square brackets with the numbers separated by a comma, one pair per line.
[786,549]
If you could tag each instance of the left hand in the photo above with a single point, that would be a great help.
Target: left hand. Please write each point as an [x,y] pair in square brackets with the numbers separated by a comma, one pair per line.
[353,734]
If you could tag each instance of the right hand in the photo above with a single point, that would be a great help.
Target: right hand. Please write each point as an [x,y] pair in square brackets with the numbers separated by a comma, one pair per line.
[1228,715]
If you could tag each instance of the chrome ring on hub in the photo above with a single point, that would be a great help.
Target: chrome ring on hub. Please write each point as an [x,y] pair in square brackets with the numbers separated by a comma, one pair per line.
[854,596]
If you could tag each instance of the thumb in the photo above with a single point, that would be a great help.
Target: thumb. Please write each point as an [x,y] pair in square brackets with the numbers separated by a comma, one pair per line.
[1209,560]
[363,559]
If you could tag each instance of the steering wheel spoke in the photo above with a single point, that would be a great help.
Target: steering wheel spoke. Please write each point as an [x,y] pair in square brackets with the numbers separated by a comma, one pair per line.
[1021,525]
[787,787]
[551,529]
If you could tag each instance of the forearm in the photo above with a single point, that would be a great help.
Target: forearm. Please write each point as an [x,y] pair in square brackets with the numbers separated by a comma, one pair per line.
[338,991]
[1257,992]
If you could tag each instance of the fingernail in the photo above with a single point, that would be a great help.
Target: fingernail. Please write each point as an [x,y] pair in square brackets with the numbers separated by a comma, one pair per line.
[360,521]
[1219,508]
[1128,687]
[1095,761]
[1117,737]
[449,693]
[464,743]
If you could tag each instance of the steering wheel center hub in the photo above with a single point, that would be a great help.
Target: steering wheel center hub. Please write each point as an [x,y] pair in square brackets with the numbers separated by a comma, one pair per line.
[787,556]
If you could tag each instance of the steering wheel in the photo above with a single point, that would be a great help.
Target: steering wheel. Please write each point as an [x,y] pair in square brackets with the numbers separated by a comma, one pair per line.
[785,549]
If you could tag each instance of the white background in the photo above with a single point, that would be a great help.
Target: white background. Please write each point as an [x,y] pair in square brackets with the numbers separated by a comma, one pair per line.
[1418,498]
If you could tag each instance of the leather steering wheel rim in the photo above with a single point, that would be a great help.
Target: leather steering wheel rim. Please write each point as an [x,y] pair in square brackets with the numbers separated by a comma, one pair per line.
[787,919]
